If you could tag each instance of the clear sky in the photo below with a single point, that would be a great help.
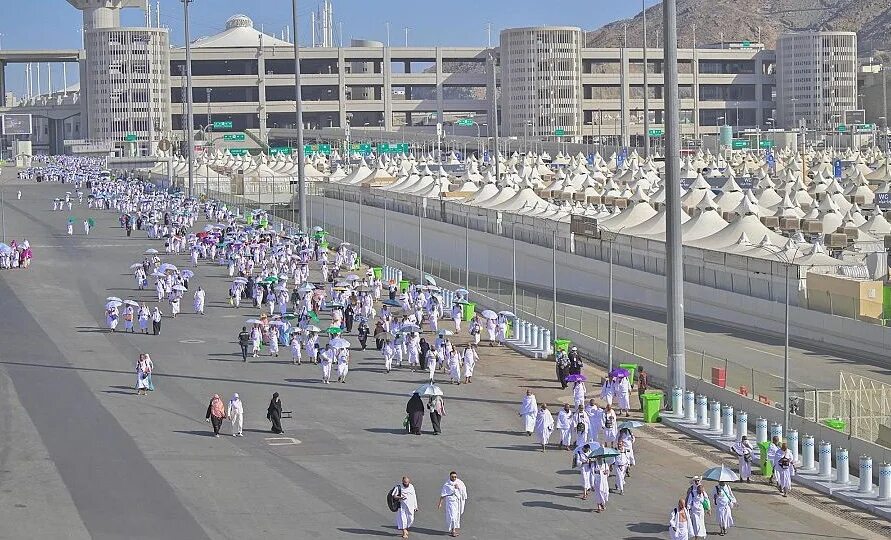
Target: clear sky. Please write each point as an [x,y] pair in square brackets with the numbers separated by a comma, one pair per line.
[37,24]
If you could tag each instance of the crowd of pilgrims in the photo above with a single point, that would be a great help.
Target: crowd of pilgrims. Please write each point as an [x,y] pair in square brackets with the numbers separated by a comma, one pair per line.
[261,261]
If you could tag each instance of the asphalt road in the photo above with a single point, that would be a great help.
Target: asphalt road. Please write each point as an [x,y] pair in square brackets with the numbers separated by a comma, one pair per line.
[82,457]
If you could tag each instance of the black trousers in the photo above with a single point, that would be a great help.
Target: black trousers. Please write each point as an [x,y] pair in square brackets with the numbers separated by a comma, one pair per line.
[216,423]
[561,376]
[244,352]
[156,327]
[436,418]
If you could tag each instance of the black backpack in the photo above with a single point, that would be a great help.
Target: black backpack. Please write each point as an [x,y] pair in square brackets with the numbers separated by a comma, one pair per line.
[392,500]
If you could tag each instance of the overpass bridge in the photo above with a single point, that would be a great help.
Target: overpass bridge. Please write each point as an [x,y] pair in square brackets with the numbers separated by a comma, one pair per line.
[26,56]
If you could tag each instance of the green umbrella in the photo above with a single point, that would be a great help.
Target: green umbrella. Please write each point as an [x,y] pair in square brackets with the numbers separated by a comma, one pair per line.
[91,222]
[271,279]
[334,330]
[313,316]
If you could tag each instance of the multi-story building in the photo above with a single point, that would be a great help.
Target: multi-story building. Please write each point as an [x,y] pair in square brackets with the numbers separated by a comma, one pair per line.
[541,86]
[126,76]
[817,81]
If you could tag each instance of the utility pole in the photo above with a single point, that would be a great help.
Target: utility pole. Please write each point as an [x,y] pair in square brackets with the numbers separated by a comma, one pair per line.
[646,97]
[674,274]
[298,98]
[189,127]
[495,118]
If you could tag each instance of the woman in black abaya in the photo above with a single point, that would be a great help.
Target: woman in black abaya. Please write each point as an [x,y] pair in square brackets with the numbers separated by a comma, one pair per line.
[415,410]
[274,413]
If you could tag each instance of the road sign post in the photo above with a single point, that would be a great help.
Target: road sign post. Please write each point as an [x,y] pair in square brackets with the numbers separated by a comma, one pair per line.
[223,124]
[233,136]
[655,133]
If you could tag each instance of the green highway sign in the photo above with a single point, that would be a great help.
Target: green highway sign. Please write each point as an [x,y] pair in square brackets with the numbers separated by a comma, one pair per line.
[274,150]
[361,148]
[130,137]
[864,128]
[398,148]
[233,137]
[746,44]
[765,143]
[317,149]
[465,122]
[841,128]
[739,144]
[223,124]
[655,132]
[238,151]
[559,132]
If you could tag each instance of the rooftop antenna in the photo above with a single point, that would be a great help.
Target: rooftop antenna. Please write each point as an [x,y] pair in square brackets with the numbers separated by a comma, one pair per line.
[158,12]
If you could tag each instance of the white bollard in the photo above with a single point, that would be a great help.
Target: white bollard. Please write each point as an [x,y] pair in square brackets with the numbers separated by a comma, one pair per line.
[761,430]
[742,424]
[690,406]
[727,422]
[714,416]
[541,339]
[807,453]
[776,430]
[825,459]
[547,343]
[529,329]
[677,402]
[865,475]
[792,443]
[521,331]
[842,474]
[885,481]
[535,335]
[702,410]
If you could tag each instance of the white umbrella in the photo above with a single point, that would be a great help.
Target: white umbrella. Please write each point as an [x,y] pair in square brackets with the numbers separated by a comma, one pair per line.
[410,328]
[134,266]
[113,299]
[489,314]
[445,332]
[167,266]
[313,328]
[429,389]
[131,303]
[151,251]
[178,288]
[508,314]
[252,321]
[113,303]
[278,323]
[240,280]
[429,280]
[339,343]
[720,474]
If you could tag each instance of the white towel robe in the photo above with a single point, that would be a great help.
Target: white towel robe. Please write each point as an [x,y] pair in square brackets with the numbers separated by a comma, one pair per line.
[724,499]
[677,529]
[544,426]
[455,494]
[405,516]
[529,410]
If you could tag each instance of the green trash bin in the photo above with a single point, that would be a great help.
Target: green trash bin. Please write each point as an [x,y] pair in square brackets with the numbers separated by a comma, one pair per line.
[404,285]
[378,272]
[766,465]
[652,404]
[469,310]
[323,244]
[836,423]
[561,345]
[632,371]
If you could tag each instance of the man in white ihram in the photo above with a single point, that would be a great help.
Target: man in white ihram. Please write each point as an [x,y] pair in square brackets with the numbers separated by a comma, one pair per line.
[408,505]
[454,495]
[236,415]
[529,410]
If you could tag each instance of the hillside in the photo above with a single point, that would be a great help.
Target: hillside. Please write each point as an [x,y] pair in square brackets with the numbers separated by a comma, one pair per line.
[739,21]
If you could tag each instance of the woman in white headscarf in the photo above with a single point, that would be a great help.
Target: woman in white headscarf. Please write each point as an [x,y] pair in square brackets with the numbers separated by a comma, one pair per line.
[454,495]
[144,368]
[236,415]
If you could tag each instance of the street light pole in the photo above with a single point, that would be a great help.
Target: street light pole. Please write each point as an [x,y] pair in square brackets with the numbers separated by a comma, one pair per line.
[467,252]
[513,234]
[189,127]
[421,241]
[674,274]
[609,324]
[495,118]
[646,97]
[786,356]
[554,276]
[298,98]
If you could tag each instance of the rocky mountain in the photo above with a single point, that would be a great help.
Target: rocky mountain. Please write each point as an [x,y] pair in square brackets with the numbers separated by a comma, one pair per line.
[735,20]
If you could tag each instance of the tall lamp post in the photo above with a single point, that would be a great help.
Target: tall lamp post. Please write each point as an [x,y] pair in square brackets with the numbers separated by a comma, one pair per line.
[298,98]
[189,127]
[646,97]
[674,272]
[788,262]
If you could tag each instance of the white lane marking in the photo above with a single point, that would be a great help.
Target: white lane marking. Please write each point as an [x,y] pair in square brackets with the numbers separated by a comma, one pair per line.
[281,441]
[191,341]
[763,352]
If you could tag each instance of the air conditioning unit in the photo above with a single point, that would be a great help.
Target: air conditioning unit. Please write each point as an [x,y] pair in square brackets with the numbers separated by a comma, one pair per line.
[620,203]
[850,232]
[771,222]
[594,199]
[790,223]
[858,199]
[579,196]
[812,226]
[837,240]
